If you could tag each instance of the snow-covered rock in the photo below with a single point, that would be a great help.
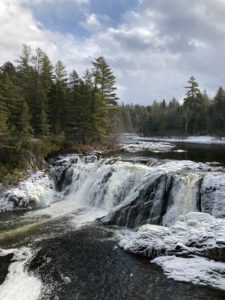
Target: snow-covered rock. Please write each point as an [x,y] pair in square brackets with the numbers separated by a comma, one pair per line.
[61,170]
[194,234]
[36,191]
[213,194]
[193,250]
[197,270]
[147,146]
[201,139]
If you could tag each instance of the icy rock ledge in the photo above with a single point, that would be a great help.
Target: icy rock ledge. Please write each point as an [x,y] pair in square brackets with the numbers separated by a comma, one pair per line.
[147,146]
[194,234]
[36,191]
[193,250]
[197,270]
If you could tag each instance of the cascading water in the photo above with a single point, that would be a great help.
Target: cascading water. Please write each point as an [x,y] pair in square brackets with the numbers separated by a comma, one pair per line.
[106,184]
[183,197]
[78,190]
[127,193]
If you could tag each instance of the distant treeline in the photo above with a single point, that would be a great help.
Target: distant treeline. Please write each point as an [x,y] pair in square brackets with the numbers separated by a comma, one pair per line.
[197,115]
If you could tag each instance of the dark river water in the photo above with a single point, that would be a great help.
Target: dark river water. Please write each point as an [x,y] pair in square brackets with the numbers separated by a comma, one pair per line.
[96,268]
[191,151]
[198,153]
[86,264]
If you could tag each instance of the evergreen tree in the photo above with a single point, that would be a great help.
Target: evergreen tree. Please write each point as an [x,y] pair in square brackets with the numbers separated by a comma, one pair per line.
[58,99]
[104,97]
[190,101]
[74,107]
[218,116]
[105,81]
[18,115]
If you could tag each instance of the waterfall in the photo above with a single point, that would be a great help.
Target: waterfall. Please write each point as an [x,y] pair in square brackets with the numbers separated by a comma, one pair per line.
[184,197]
[105,183]
[130,193]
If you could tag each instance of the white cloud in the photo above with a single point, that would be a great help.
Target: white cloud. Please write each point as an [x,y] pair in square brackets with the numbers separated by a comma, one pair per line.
[18,27]
[92,23]
[153,51]
[77,2]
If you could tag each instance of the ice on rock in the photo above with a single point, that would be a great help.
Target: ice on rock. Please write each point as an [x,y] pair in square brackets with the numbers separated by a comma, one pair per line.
[61,170]
[193,250]
[147,146]
[213,194]
[197,270]
[196,233]
[201,139]
[36,191]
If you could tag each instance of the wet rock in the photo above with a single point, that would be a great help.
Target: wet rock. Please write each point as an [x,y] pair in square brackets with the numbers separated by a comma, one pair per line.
[61,171]
[148,207]
[213,194]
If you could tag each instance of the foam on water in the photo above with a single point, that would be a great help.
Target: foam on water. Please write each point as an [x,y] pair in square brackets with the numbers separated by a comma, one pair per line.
[19,284]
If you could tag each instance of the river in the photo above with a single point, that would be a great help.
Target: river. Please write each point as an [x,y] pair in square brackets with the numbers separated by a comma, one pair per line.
[63,250]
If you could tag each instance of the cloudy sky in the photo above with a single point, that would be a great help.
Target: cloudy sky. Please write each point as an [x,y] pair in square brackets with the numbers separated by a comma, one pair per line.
[153,46]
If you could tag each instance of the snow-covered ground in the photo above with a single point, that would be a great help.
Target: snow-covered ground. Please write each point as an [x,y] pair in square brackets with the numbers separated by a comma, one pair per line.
[147,146]
[188,251]
[202,139]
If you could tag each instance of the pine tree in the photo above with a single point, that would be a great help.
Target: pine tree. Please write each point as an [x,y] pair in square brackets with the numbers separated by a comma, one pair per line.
[105,81]
[190,101]
[218,115]
[24,128]
[104,99]
[58,100]
[18,114]
[74,107]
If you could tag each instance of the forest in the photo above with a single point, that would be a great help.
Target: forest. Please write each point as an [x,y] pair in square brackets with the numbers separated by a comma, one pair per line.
[45,110]
[197,114]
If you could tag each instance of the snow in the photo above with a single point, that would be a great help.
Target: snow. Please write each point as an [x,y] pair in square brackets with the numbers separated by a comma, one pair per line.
[195,232]
[197,270]
[197,238]
[147,146]
[202,139]
[213,194]
[19,284]
[36,191]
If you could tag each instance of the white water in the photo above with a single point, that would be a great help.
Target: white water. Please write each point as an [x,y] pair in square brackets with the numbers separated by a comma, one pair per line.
[109,185]
[19,284]
[101,188]
[100,185]
[183,198]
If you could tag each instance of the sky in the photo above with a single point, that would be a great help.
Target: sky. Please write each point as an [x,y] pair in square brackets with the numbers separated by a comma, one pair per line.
[152,46]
